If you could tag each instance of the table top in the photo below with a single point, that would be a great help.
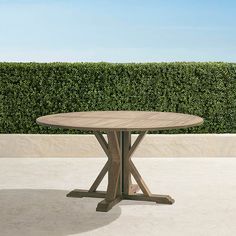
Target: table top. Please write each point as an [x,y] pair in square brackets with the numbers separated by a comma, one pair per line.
[120,120]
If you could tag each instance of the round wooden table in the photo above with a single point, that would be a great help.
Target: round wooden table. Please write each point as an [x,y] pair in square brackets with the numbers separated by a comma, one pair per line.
[118,126]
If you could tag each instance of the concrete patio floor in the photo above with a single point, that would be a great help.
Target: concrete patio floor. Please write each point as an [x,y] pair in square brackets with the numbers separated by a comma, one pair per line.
[33,198]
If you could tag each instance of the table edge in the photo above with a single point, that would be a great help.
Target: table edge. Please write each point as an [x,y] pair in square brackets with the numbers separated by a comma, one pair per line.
[120,129]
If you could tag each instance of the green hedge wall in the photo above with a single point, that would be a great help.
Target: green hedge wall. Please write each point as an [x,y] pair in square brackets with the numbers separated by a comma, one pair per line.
[30,90]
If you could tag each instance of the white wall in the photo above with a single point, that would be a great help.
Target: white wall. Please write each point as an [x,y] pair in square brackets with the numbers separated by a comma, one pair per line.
[153,145]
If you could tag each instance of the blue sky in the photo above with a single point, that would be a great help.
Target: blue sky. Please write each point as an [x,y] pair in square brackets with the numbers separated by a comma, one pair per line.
[117,31]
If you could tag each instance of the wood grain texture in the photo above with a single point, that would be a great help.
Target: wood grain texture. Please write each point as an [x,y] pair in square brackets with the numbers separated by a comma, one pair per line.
[79,193]
[161,199]
[138,178]
[119,167]
[120,120]
[136,143]
[114,166]
[126,159]
[100,177]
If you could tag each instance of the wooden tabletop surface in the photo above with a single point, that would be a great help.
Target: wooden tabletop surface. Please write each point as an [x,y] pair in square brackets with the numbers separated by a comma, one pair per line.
[120,120]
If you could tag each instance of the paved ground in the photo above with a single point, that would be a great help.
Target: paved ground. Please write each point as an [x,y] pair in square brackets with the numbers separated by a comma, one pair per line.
[33,202]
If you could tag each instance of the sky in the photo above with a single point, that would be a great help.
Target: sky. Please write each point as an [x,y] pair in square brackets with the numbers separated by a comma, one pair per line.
[117,31]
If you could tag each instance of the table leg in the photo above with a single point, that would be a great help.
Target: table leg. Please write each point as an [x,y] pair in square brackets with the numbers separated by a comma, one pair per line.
[113,196]
[120,168]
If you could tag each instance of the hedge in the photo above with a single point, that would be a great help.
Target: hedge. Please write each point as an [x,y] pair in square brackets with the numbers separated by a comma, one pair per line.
[30,90]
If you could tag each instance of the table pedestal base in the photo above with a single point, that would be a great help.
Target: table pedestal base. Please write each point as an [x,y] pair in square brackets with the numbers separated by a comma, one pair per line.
[105,205]
[119,167]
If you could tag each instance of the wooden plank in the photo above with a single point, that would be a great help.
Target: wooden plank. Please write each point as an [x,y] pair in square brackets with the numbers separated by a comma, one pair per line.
[139,179]
[120,120]
[114,166]
[136,143]
[99,178]
[79,193]
[120,183]
[102,142]
[162,199]
[106,205]
[126,144]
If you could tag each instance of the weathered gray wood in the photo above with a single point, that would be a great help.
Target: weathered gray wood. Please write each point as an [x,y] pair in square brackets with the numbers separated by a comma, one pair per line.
[106,205]
[139,179]
[120,183]
[136,143]
[119,167]
[114,166]
[79,193]
[102,142]
[126,145]
[162,199]
[120,120]
[99,178]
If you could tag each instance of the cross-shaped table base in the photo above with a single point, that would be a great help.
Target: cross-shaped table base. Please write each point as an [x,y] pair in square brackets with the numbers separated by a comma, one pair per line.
[119,167]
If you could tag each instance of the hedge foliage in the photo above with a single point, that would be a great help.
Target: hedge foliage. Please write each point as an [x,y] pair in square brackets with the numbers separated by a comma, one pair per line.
[30,90]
